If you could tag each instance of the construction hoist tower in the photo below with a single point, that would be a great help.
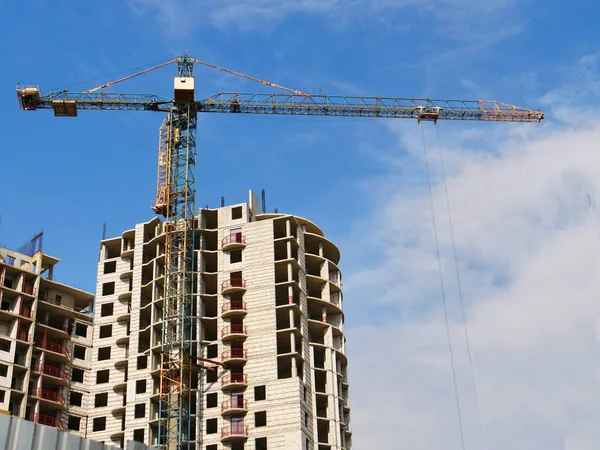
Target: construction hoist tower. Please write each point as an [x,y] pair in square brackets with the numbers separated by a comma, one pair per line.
[176,189]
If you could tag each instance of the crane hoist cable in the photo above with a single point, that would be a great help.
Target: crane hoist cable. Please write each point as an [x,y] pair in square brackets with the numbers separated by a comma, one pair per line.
[460,290]
[443,291]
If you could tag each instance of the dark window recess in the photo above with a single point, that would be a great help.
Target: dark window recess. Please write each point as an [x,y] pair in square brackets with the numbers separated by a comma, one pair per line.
[260,443]
[78,352]
[101,400]
[5,345]
[140,410]
[99,424]
[106,309]
[142,362]
[103,353]
[3,370]
[108,288]
[74,423]
[260,419]
[211,426]
[105,331]
[80,329]
[138,435]
[211,400]
[110,267]
[102,376]
[236,213]
[2,393]
[77,375]
[211,447]
[212,351]
[211,376]
[140,386]
[260,393]
[235,256]
[76,398]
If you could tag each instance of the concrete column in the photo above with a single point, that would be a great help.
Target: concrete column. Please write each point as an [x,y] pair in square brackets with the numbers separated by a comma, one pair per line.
[294,368]
[289,249]
[293,350]
[288,227]
[320,249]
[290,295]
[324,315]
[290,272]
[292,324]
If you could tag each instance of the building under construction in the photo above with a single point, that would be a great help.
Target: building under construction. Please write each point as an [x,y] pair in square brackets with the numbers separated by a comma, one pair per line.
[45,341]
[267,329]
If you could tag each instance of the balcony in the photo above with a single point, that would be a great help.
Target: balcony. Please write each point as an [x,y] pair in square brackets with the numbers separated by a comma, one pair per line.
[51,371]
[48,395]
[25,312]
[28,289]
[234,240]
[54,326]
[237,430]
[234,405]
[234,380]
[233,285]
[233,308]
[45,297]
[23,336]
[234,331]
[235,355]
[43,419]
[51,346]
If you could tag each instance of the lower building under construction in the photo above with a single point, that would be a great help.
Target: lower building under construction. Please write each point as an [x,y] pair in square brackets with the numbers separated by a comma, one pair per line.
[267,309]
[45,342]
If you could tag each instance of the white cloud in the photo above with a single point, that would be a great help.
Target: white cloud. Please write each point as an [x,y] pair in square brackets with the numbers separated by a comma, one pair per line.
[529,255]
[179,16]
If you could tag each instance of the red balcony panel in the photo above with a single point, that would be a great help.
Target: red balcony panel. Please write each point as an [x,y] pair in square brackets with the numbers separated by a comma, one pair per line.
[52,346]
[239,353]
[233,283]
[25,312]
[235,429]
[234,403]
[51,370]
[28,289]
[233,238]
[234,329]
[45,420]
[48,395]
[234,378]
[235,305]
[22,335]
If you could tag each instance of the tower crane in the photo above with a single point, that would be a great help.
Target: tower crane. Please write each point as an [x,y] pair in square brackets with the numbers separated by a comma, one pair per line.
[176,188]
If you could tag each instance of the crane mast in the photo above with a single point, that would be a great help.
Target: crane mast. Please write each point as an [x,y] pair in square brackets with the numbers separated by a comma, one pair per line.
[176,190]
[178,197]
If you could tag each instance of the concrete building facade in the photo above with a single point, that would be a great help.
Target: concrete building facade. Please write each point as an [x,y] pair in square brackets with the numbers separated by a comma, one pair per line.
[268,307]
[45,343]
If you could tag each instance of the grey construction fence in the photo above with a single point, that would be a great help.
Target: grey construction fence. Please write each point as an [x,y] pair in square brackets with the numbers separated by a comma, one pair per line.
[20,434]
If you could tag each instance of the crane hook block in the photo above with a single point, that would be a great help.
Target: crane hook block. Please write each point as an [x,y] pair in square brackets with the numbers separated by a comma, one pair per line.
[184,89]
[431,114]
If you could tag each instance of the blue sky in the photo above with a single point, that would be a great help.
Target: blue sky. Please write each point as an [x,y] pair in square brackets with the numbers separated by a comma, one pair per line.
[527,244]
